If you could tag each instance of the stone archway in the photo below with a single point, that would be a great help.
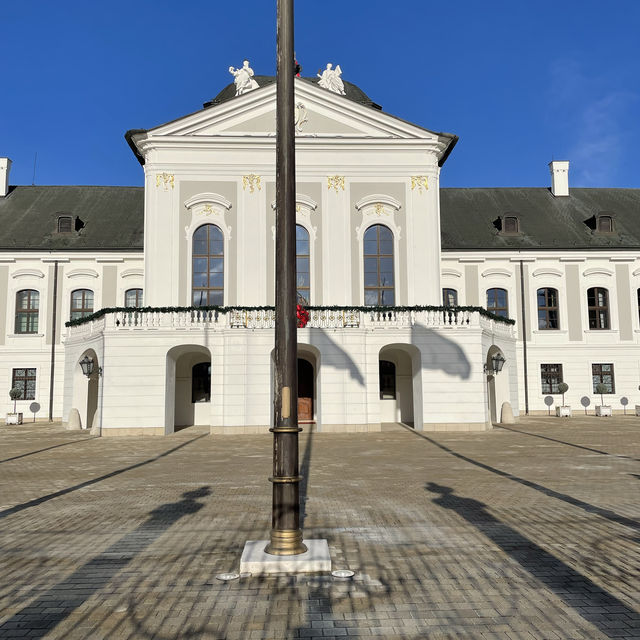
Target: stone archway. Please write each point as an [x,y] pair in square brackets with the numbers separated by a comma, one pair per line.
[400,383]
[188,387]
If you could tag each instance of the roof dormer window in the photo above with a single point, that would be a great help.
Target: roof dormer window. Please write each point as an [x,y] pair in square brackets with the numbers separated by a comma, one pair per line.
[507,225]
[510,225]
[65,224]
[604,223]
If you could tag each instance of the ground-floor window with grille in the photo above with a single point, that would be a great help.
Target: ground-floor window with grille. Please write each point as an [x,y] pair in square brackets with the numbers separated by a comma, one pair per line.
[603,373]
[551,377]
[25,381]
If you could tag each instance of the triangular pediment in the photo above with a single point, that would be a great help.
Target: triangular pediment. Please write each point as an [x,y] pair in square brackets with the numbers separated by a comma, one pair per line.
[320,113]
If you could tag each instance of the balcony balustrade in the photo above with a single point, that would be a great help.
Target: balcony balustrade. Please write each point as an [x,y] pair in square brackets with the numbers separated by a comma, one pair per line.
[243,319]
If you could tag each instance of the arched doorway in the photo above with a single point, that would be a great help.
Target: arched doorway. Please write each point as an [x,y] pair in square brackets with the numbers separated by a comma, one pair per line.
[400,384]
[306,391]
[188,387]
[85,389]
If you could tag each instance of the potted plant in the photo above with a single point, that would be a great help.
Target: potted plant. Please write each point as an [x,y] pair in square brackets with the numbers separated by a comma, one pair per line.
[14,418]
[564,411]
[603,409]
[638,406]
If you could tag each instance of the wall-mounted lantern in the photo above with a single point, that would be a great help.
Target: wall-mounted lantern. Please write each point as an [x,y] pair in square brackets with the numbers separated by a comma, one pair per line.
[497,362]
[87,365]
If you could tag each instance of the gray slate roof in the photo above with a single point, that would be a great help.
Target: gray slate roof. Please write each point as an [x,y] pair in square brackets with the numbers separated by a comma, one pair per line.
[545,221]
[111,218]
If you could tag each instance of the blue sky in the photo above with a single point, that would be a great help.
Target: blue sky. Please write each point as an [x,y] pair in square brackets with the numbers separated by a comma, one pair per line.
[521,82]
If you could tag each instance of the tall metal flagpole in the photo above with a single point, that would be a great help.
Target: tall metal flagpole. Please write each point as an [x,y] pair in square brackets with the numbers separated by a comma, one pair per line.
[286,535]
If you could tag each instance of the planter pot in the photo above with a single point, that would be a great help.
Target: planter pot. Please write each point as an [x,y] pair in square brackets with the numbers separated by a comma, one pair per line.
[14,418]
[638,409]
[563,411]
[603,410]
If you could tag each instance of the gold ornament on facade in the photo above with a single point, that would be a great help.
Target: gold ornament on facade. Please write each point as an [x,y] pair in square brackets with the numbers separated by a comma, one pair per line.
[335,182]
[419,183]
[252,181]
[206,210]
[380,210]
[165,180]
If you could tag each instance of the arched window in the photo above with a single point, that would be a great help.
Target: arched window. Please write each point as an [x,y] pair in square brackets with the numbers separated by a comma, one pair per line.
[449,298]
[133,298]
[81,303]
[208,266]
[498,302]
[27,306]
[387,380]
[548,309]
[303,275]
[598,303]
[201,382]
[379,288]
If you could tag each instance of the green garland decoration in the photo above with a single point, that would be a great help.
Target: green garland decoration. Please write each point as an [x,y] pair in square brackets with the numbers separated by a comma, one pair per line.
[224,310]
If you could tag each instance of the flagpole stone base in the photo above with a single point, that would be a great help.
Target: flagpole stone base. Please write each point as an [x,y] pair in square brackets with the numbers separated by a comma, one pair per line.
[254,560]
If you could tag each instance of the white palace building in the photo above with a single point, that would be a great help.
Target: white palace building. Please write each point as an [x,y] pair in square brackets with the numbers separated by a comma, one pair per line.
[412,290]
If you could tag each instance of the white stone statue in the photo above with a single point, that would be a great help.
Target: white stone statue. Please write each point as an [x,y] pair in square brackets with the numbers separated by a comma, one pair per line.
[243,78]
[330,79]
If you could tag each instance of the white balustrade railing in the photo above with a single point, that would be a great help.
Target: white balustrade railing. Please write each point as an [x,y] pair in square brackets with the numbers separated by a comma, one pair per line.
[265,319]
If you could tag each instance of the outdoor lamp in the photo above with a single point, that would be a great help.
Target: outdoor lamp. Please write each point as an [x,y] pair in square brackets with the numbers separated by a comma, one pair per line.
[498,362]
[87,365]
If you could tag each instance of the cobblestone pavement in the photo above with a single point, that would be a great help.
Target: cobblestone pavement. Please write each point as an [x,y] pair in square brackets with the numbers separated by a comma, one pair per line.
[519,533]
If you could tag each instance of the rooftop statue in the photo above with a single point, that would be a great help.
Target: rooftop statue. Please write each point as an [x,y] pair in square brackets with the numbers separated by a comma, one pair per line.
[330,79]
[243,78]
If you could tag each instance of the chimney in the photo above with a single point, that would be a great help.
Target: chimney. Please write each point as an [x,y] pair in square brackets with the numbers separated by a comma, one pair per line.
[5,167]
[559,177]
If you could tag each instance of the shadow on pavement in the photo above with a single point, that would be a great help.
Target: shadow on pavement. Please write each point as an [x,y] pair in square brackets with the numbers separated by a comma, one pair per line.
[55,446]
[55,605]
[574,589]
[50,496]
[569,444]
[589,508]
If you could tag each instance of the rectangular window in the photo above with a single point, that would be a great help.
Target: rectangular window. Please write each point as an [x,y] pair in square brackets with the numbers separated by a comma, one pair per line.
[25,381]
[551,377]
[603,373]
[449,298]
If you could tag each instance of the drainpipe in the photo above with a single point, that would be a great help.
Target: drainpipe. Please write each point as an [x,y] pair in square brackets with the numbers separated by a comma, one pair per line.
[53,338]
[524,341]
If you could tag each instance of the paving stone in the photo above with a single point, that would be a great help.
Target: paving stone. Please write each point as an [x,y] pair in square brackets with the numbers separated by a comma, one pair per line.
[527,532]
